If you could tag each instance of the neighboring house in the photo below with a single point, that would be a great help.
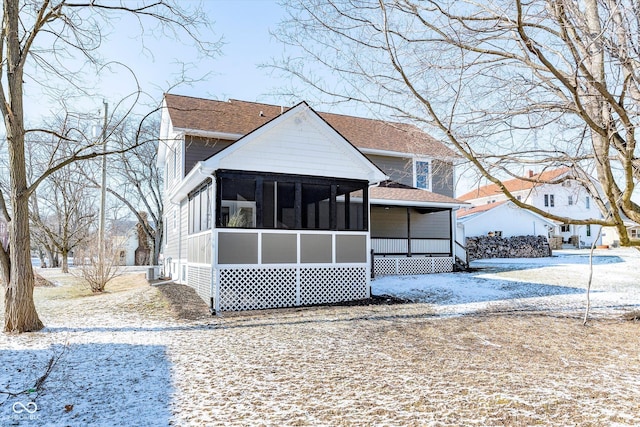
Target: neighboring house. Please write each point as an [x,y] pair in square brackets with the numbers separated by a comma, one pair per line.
[503,219]
[268,206]
[567,199]
[611,237]
[123,239]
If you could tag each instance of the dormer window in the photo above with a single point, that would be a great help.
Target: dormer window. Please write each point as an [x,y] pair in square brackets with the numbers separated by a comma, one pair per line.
[423,174]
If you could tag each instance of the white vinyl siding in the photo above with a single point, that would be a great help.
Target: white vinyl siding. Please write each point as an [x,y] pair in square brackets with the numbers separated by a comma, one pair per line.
[278,150]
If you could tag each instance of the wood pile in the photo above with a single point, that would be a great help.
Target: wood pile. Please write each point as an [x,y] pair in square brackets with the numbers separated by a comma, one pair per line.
[483,247]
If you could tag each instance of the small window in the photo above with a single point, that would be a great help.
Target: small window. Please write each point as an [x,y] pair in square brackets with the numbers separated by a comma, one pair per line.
[588,230]
[519,198]
[423,177]
[549,200]
[634,233]
[564,228]
[587,202]
[200,209]
[570,200]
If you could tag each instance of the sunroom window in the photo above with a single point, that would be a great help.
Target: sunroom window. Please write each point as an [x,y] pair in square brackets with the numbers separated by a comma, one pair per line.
[200,209]
[253,200]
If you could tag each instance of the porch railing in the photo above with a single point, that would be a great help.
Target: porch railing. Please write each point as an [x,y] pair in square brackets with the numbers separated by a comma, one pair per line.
[400,246]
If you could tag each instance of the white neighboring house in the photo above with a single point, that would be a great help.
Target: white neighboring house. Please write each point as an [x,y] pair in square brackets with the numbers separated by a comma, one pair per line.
[568,199]
[123,238]
[503,219]
[611,237]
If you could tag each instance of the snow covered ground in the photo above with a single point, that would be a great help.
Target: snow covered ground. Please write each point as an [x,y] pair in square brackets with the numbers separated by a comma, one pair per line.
[121,359]
[554,283]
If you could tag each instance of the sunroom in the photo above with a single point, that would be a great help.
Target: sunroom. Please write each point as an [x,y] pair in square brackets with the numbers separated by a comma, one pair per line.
[280,218]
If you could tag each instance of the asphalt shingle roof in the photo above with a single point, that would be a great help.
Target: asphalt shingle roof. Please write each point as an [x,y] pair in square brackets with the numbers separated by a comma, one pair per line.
[242,117]
[515,184]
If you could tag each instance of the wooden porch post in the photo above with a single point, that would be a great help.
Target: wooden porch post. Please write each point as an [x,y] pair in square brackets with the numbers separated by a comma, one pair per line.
[408,232]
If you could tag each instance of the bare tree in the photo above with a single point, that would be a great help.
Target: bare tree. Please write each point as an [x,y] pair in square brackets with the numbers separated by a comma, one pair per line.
[63,215]
[138,182]
[38,37]
[509,84]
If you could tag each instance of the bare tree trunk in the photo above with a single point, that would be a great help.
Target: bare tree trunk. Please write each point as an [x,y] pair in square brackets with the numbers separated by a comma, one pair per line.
[20,311]
[65,263]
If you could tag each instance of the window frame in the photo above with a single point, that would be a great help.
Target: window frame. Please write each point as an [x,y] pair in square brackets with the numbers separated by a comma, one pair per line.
[428,180]
[354,210]
[549,201]
[199,208]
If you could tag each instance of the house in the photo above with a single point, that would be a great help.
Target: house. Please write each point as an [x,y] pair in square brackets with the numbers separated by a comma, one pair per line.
[503,219]
[611,237]
[269,206]
[566,198]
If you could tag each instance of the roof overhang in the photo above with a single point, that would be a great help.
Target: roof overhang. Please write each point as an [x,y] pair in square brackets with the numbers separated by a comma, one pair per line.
[208,134]
[198,174]
[417,204]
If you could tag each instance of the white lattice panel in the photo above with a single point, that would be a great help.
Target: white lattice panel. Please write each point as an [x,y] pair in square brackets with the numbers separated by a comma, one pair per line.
[415,266]
[323,285]
[257,288]
[442,264]
[385,266]
[199,278]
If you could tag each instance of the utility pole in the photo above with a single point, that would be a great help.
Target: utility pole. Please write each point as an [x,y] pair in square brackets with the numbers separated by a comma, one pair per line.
[103,190]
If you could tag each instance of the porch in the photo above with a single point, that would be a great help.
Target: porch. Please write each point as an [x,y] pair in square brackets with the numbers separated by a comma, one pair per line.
[414,239]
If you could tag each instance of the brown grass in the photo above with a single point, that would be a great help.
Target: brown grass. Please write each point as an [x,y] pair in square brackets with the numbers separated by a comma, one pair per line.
[368,365]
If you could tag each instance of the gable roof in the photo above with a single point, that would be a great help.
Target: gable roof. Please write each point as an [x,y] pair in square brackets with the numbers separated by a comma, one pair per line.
[467,215]
[516,184]
[332,155]
[479,209]
[239,118]
[335,152]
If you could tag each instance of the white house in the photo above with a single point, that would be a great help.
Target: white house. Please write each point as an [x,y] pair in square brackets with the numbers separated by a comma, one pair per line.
[611,237]
[567,199]
[503,219]
[267,206]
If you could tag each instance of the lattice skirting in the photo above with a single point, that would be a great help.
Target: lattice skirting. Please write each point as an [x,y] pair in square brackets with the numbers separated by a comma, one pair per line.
[326,285]
[260,288]
[199,278]
[412,265]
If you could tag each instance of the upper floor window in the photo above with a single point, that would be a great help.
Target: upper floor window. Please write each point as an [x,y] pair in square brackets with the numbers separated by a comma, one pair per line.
[570,200]
[587,202]
[423,175]
[549,200]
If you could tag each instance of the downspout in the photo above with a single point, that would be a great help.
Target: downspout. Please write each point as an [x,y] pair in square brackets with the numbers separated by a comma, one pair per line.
[212,204]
